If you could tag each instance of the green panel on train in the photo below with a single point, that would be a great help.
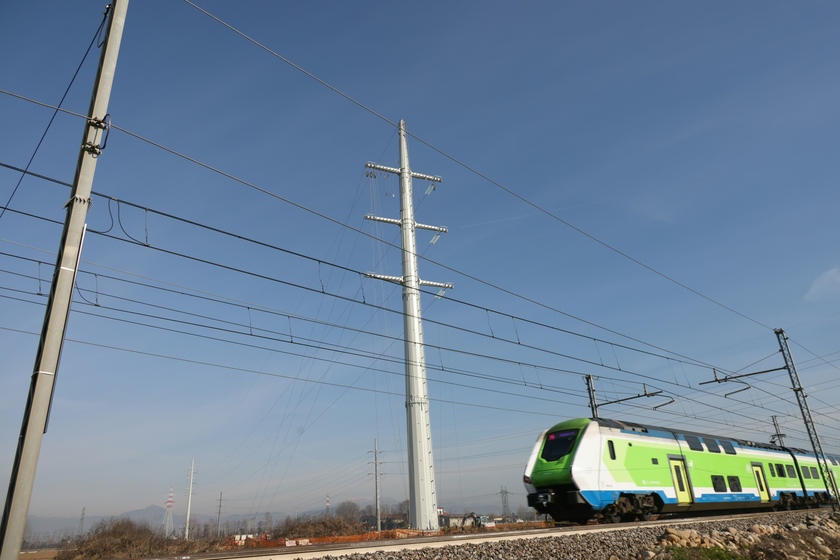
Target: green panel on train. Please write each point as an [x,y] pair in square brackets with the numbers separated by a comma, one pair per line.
[615,470]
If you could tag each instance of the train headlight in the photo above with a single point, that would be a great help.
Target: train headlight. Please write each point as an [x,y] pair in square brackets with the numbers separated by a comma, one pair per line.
[526,479]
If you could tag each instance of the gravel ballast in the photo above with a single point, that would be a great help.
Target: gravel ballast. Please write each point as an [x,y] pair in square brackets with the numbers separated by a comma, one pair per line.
[812,535]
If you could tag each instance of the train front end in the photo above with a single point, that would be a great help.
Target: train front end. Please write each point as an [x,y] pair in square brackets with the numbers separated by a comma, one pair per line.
[549,475]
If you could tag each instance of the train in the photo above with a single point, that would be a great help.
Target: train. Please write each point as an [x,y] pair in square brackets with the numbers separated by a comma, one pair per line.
[616,471]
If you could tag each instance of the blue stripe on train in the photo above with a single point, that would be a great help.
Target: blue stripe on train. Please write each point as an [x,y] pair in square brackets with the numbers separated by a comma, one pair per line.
[599,499]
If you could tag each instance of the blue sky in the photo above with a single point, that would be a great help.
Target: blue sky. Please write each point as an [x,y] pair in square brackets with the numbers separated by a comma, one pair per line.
[639,192]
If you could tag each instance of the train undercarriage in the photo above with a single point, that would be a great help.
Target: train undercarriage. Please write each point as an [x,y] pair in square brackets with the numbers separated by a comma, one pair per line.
[568,505]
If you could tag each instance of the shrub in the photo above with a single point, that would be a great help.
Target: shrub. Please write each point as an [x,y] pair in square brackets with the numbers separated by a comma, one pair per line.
[124,538]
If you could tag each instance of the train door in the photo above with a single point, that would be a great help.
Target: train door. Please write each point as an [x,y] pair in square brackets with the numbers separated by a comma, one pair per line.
[761,483]
[678,473]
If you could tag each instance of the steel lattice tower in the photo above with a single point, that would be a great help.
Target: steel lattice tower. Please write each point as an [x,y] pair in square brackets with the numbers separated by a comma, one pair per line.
[810,427]
[505,506]
[168,527]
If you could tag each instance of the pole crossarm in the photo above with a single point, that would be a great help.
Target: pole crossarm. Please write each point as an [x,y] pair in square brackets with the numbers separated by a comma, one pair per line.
[441,229]
[394,279]
[593,399]
[396,222]
[639,396]
[443,285]
[734,377]
[392,221]
[397,171]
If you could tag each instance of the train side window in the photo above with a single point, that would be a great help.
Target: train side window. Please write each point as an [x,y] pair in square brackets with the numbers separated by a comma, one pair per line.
[814,472]
[611,446]
[655,461]
[718,483]
[805,472]
[780,470]
[790,471]
[734,483]
[679,475]
[694,443]
[727,447]
[771,469]
[711,445]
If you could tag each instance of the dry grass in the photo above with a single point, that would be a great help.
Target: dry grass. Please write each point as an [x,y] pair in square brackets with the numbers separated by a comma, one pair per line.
[124,538]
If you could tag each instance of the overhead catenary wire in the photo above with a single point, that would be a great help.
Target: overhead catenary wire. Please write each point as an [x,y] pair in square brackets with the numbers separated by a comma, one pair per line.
[473,332]
[346,352]
[643,376]
[361,232]
[449,298]
[482,333]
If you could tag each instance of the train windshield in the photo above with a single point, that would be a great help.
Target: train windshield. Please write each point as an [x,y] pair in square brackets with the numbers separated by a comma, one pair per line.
[558,444]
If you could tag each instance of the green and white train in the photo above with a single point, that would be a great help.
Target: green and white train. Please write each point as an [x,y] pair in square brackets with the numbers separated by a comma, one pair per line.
[620,471]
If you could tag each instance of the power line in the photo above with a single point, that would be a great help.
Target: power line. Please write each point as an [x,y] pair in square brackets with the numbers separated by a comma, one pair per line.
[356,272]
[477,173]
[648,377]
[346,351]
[381,308]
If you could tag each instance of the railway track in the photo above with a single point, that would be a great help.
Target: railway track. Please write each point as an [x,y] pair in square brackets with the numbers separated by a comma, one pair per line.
[433,542]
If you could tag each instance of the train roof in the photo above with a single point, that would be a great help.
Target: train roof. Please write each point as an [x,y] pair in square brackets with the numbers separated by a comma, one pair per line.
[644,428]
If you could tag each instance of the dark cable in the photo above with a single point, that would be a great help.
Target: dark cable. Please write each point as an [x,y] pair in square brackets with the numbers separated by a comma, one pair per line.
[55,112]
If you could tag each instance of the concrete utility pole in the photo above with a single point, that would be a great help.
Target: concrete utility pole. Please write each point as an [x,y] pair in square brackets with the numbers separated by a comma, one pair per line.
[189,501]
[36,413]
[421,470]
[376,477]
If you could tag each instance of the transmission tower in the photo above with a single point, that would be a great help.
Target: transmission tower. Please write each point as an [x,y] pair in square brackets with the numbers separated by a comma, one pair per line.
[423,514]
[168,526]
[327,512]
[219,518]
[82,522]
[505,506]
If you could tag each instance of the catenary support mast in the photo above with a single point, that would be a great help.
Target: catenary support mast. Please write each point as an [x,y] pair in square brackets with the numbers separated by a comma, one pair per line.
[38,402]
[421,469]
[810,427]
